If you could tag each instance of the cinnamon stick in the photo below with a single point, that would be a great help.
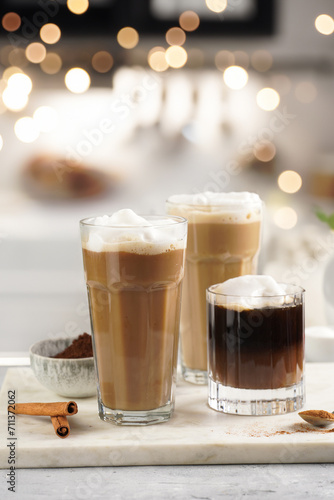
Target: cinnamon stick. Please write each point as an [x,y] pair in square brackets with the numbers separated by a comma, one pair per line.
[46,409]
[61,426]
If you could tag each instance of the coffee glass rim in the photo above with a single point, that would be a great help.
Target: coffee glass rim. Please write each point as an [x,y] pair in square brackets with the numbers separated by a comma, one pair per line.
[230,208]
[176,221]
[298,290]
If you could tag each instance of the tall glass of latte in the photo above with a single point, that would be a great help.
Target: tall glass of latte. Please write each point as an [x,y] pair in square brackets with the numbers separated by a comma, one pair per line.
[134,268]
[223,242]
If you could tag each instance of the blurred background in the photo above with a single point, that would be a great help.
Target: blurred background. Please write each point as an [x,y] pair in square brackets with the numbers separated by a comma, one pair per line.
[109,104]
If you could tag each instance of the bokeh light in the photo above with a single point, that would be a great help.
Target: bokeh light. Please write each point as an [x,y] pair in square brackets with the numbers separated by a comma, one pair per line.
[52,63]
[285,218]
[216,5]
[176,56]
[77,80]
[157,59]
[306,92]
[189,20]
[128,37]
[46,118]
[78,6]
[261,60]
[50,33]
[324,24]
[264,151]
[11,21]
[175,36]
[13,100]
[268,99]
[102,61]
[224,59]
[35,52]
[11,71]
[289,181]
[1,142]
[235,77]
[21,83]
[17,57]
[26,129]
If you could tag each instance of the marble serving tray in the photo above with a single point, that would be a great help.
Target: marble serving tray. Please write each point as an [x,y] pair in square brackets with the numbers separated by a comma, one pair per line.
[195,434]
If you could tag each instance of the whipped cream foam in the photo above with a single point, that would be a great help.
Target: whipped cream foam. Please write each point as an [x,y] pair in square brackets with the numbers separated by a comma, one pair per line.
[251,292]
[126,231]
[215,207]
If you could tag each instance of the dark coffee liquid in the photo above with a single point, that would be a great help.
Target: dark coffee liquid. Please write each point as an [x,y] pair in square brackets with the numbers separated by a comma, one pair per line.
[257,348]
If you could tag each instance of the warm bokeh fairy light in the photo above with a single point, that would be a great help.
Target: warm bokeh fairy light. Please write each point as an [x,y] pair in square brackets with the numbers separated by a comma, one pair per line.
[157,59]
[77,80]
[306,92]
[78,6]
[50,33]
[15,95]
[289,181]
[128,37]
[10,71]
[264,151]
[17,57]
[46,118]
[267,99]
[216,5]
[324,24]
[26,129]
[102,61]
[189,20]
[285,218]
[52,63]
[11,21]
[13,100]
[176,56]
[224,59]
[235,77]
[261,60]
[35,52]
[21,83]
[175,36]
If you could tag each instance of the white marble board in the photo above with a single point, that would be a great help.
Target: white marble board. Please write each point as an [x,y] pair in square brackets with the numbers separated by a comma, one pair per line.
[195,434]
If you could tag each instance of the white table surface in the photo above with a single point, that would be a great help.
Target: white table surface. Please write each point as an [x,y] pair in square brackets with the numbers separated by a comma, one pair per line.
[207,482]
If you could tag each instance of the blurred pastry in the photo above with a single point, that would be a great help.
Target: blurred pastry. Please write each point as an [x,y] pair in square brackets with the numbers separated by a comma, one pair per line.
[56,177]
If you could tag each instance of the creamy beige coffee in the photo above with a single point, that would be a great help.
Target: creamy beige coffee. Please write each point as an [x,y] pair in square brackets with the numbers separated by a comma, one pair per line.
[134,280]
[223,242]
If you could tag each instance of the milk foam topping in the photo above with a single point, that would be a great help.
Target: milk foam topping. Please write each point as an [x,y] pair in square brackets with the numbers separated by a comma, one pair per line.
[252,291]
[126,231]
[211,206]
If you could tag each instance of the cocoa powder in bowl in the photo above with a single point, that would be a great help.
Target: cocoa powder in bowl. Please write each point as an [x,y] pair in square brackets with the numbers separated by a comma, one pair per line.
[81,347]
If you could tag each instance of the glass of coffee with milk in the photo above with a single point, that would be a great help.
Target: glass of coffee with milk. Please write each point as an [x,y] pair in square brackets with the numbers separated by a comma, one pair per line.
[224,232]
[255,346]
[134,268]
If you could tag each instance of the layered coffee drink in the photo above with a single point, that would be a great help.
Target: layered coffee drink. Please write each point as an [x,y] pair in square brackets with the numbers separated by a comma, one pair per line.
[223,242]
[134,269]
[255,346]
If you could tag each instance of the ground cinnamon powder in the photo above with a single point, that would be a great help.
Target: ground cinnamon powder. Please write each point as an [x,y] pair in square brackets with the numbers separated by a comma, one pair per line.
[319,413]
[295,428]
[80,348]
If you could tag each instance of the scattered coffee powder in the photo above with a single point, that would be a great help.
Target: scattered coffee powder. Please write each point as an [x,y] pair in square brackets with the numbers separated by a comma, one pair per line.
[80,348]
